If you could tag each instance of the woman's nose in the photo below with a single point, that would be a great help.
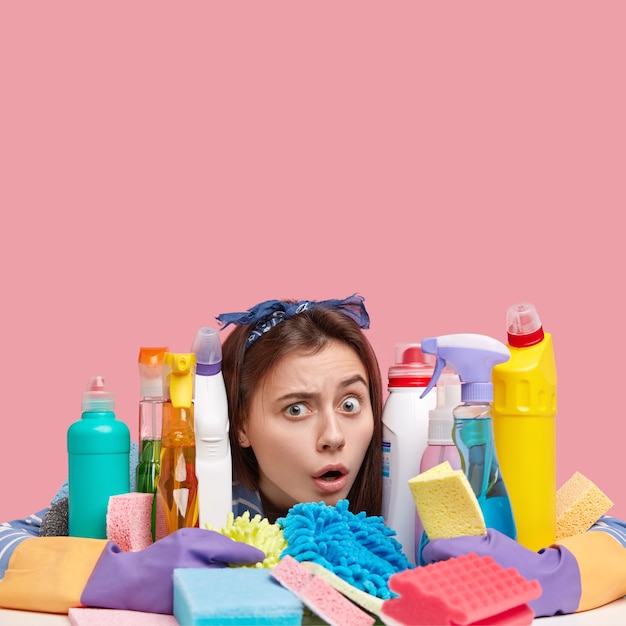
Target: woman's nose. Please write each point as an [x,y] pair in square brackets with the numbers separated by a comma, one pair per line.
[331,436]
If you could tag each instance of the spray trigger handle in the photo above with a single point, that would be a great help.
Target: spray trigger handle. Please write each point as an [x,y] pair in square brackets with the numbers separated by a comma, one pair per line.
[439,367]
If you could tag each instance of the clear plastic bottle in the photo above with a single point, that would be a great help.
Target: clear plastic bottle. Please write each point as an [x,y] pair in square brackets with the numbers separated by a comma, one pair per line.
[474,357]
[524,424]
[98,447]
[178,484]
[405,433]
[150,422]
[440,446]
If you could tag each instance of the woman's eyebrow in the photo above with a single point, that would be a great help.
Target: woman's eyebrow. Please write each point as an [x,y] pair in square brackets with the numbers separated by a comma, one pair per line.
[306,395]
[296,395]
[352,380]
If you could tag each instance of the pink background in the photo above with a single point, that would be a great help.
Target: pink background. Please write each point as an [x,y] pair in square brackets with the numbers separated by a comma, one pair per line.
[161,163]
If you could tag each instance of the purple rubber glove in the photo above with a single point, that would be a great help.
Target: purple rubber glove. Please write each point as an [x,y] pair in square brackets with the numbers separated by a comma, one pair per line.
[556,569]
[143,580]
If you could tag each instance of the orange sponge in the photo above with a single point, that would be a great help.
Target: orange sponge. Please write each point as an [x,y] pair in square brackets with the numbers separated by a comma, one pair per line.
[579,505]
[464,590]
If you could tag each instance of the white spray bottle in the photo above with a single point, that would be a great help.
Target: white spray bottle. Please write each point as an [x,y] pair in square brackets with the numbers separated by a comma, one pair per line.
[213,455]
[440,446]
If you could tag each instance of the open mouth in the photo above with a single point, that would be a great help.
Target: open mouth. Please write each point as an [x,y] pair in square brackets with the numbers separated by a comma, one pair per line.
[331,475]
[332,480]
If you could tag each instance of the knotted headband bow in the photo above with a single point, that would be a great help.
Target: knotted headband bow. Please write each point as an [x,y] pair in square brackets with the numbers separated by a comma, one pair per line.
[268,314]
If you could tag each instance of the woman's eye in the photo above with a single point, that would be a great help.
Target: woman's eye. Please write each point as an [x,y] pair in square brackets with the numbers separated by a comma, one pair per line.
[351,405]
[296,410]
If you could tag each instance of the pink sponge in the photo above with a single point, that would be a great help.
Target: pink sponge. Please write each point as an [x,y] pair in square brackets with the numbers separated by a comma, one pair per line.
[321,597]
[465,590]
[129,519]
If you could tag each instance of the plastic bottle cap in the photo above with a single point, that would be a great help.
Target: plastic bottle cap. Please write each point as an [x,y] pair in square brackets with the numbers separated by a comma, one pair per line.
[208,350]
[523,325]
[151,371]
[412,367]
[97,396]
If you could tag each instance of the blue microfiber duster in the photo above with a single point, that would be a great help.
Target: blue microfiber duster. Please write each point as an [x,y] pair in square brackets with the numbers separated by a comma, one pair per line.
[359,549]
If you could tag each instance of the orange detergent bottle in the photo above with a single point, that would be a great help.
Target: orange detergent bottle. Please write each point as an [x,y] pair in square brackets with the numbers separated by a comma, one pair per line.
[178,484]
[524,424]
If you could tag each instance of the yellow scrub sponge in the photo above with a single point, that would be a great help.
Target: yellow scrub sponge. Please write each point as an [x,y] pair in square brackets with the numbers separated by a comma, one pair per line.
[446,504]
[256,532]
[579,505]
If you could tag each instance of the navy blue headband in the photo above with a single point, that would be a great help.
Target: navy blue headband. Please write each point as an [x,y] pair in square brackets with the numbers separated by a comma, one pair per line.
[268,314]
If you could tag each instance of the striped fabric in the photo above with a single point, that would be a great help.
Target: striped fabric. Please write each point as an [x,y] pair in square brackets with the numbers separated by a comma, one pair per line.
[13,533]
[244,500]
[613,526]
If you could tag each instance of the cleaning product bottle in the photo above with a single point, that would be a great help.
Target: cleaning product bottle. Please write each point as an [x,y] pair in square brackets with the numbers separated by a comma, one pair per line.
[213,456]
[474,357]
[405,432]
[440,446]
[150,422]
[178,484]
[98,447]
[524,425]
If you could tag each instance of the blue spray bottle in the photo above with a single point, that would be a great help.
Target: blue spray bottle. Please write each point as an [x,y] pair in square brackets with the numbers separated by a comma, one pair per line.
[474,356]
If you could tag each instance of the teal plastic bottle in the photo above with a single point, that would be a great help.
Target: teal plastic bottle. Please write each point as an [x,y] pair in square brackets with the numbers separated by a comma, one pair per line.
[98,447]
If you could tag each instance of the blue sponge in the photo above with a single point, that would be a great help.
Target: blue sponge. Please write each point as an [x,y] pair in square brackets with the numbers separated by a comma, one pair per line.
[233,596]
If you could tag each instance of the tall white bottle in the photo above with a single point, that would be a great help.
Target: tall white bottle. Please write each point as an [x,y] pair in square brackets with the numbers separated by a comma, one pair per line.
[405,435]
[211,425]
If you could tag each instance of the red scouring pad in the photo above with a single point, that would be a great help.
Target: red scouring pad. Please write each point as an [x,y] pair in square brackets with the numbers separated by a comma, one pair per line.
[461,591]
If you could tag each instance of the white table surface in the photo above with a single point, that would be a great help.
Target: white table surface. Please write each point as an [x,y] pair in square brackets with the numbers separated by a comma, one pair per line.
[613,614]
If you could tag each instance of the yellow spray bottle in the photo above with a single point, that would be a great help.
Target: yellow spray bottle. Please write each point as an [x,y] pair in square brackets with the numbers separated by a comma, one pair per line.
[178,484]
[524,425]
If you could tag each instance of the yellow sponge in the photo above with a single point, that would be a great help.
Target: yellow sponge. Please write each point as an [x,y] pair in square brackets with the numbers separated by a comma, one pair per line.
[579,505]
[446,504]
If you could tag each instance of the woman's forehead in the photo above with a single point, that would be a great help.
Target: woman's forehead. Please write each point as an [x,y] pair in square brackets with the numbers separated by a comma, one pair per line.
[334,362]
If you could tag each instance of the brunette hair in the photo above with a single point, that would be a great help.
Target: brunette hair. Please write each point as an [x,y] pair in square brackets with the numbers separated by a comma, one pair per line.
[309,331]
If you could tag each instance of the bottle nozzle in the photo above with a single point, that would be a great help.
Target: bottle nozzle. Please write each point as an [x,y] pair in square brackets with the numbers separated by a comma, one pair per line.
[97,396]
[151,371]
[473,357]
[523,325]
[179,373]
[208,350]
[440,419]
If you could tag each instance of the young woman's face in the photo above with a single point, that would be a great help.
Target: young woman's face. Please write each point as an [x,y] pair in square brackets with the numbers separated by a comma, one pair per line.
[310,425]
